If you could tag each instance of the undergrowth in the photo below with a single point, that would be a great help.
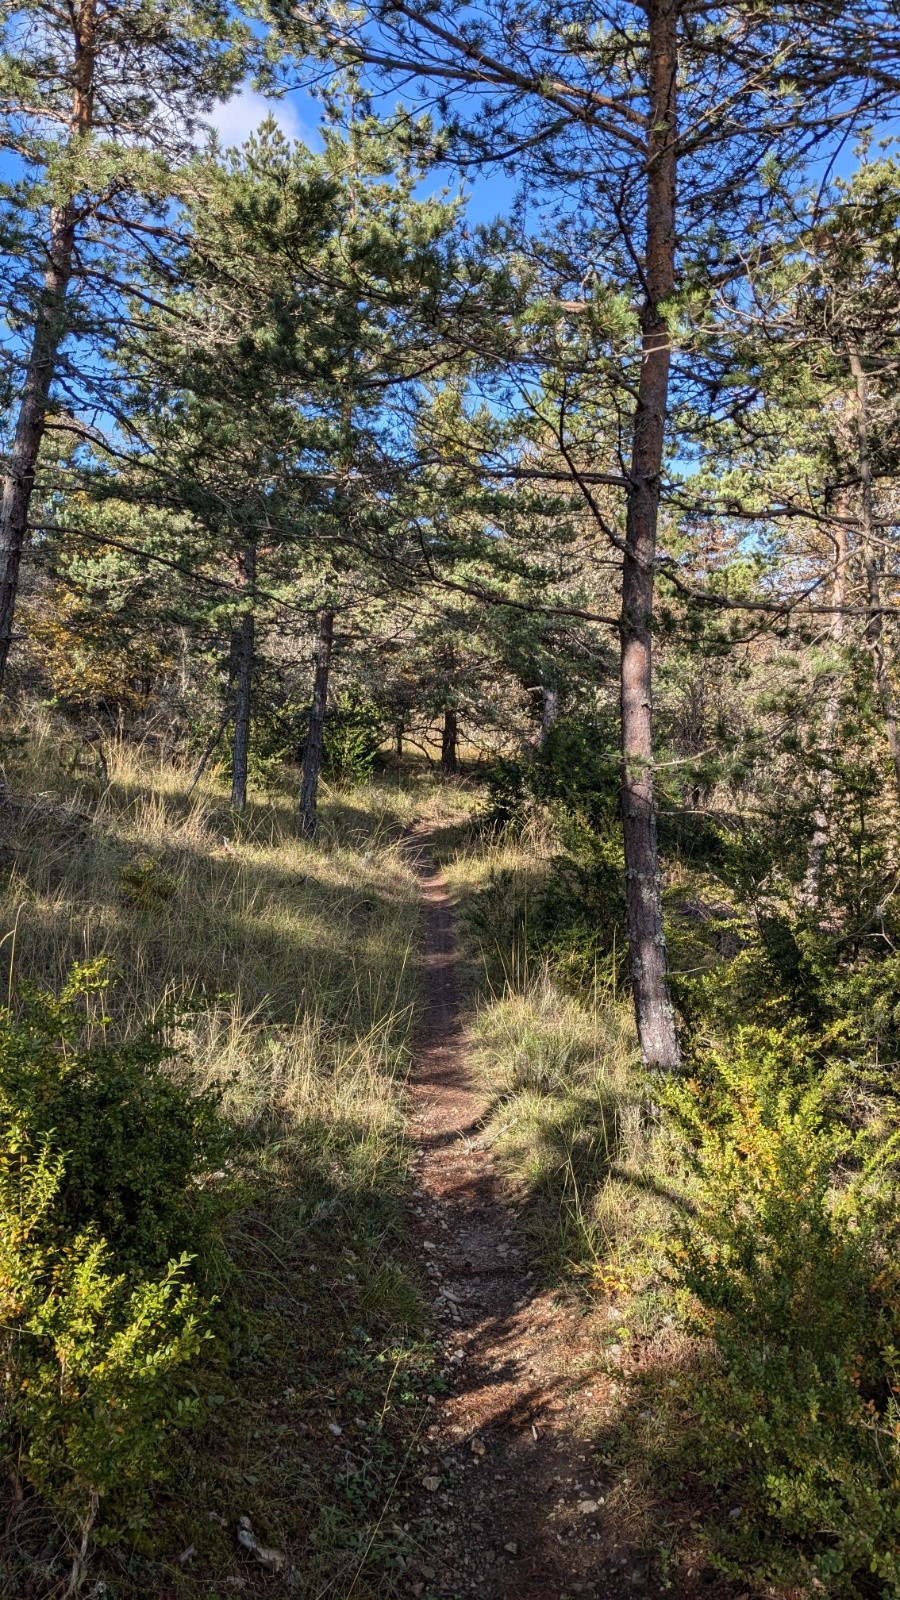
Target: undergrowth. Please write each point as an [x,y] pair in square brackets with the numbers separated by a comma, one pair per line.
[570,1119]
[738,1230]
[277,981]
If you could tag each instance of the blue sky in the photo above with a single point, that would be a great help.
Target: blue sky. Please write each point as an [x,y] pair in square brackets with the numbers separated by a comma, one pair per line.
[298,116]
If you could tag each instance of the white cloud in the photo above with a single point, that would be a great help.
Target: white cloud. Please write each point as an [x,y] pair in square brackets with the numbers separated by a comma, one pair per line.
[235,119]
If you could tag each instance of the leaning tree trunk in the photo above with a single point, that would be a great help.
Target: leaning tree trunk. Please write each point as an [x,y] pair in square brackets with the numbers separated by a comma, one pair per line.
[653,1006]
[872,566]
[246,643]
[818,844]
[312,755]
[209,749]
[449,737]
[50,326]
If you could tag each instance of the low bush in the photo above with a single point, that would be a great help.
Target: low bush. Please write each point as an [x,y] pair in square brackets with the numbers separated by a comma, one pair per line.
[135,1144]
[788,1265]
[104,1158]
[145,884]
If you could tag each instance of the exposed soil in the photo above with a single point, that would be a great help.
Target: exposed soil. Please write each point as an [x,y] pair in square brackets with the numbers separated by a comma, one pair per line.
[509,1480]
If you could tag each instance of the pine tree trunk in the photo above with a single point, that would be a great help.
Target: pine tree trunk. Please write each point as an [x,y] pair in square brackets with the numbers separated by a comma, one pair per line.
[818,844]
[312,755]
[398,740]
[449,735]
[653,1006]
[549,713]
[18,480]
[50,326]
[872,567]
[245,642]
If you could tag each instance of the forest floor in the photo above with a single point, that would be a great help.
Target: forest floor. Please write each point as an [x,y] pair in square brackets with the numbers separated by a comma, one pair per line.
[518,1493]
[421,1382]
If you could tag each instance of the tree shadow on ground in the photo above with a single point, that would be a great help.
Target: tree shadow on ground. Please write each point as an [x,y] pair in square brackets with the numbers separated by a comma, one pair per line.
[318,1376]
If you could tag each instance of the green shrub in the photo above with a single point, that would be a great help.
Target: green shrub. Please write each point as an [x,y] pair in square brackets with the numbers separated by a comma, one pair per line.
[92,1359]
[146,884]
[575,916]
[103,1157]
[576,771]
[789,1261]
[506,782]
[354,729]
[136,1144]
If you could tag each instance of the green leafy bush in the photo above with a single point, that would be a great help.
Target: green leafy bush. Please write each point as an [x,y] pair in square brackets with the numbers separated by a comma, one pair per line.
[102,1205]
[506,781]
[575,915]
[92,1358]
[789,1263]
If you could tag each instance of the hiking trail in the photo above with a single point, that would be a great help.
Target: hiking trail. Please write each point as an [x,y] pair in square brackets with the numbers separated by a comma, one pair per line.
[507,1473]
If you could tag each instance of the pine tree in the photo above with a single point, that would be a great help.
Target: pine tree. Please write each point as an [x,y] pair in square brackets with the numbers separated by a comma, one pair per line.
[668,126]
[99,108]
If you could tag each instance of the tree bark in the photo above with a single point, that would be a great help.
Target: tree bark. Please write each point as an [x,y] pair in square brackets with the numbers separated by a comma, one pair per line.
[398,739]
[246,645]
[312,755]
[872,568]
[449,736]
[549,712]
[50,326]
[653,1006]
[818,844]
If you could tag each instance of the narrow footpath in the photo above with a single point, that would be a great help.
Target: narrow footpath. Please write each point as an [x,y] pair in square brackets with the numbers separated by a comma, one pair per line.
[514,1498]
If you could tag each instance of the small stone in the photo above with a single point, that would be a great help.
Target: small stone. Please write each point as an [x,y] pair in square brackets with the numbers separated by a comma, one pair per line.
[588,1507]
[431,1484]
[476,1447]
[512,1547]
[334,1428]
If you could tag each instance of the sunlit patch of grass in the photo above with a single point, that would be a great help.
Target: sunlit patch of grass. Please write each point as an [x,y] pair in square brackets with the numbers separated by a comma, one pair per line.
[570,1125]
[569,1119]
[286,971]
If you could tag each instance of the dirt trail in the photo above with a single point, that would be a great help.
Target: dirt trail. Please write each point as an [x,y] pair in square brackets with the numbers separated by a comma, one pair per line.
[508,1474]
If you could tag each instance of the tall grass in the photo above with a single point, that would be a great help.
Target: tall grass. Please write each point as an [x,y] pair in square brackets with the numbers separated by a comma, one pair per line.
[569,1120]
[286,972]
[185,899]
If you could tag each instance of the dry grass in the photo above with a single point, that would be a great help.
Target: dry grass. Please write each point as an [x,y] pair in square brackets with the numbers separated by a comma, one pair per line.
[184,900]
[290,971]
[569,1117]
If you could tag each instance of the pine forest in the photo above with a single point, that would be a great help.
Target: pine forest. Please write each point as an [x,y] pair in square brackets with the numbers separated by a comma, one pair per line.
[450,799]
